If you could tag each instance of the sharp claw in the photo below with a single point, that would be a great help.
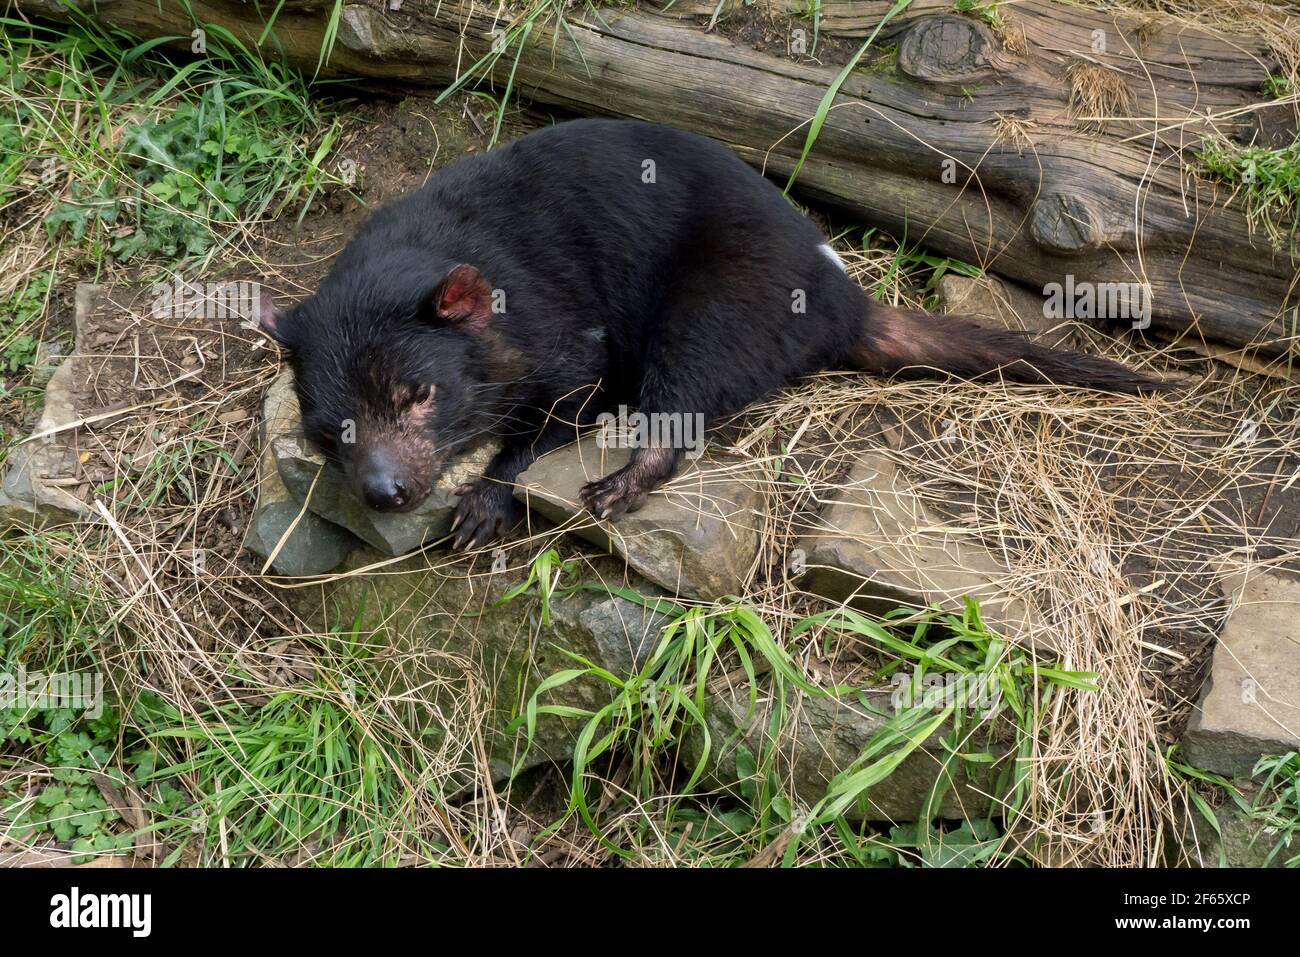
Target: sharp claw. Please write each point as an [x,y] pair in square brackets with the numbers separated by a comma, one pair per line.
[464,488]
[455,522]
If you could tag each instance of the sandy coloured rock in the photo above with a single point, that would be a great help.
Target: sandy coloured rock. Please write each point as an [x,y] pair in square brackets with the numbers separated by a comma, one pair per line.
[315,545]
[393,533]
[697,536]
[42,474]
[879,547]
[1251,703]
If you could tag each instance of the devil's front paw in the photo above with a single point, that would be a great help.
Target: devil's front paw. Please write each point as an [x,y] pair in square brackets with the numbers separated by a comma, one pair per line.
[485,512]
[617,493]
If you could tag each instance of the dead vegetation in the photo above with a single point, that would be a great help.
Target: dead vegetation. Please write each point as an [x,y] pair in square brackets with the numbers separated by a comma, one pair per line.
[1098,95]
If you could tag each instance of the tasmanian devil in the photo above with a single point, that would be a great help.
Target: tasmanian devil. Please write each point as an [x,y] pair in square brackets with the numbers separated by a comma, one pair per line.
[587,265]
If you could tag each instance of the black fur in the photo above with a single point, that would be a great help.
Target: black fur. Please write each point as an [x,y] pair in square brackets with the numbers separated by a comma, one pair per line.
[638,265]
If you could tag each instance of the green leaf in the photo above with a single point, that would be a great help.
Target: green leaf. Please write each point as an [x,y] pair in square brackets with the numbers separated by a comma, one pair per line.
[163,191]
[61,822]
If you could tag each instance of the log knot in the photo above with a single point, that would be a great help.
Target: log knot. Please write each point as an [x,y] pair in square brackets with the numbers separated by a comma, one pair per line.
[362,29]
[948,49]
[1064,223]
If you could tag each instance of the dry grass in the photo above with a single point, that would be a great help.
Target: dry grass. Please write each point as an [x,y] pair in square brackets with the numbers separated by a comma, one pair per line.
[1098,95]
[1073,490]
[1277,22]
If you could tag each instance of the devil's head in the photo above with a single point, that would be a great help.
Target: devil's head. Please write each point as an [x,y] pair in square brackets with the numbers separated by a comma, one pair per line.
[389,372]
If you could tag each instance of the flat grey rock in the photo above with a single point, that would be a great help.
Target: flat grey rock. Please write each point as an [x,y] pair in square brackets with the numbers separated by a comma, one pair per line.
[878,547]
[625,632]
[42,484]
[1251,703]
[315,546]
[393,533]
[697,537]
[825,736]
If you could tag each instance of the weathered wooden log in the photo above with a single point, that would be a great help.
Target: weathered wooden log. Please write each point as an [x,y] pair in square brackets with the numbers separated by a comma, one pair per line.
[1052,148]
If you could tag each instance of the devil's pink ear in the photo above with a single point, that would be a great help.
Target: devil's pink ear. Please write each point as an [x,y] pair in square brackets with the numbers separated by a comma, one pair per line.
[464,298]
[270,317]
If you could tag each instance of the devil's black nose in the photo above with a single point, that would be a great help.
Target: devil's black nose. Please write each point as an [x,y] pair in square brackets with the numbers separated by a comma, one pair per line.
[384,483]
[384,491]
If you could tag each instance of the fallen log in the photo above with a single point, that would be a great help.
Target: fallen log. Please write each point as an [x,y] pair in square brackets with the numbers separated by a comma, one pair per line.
[1054,147]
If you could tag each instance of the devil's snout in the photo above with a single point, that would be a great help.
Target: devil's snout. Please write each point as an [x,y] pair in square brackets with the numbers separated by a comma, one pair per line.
[384,484]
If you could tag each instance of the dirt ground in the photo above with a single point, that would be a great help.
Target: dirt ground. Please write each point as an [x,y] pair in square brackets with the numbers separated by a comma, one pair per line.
[395,147]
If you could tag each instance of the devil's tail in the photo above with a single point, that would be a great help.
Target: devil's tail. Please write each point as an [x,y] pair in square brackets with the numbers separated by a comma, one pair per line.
[899,339]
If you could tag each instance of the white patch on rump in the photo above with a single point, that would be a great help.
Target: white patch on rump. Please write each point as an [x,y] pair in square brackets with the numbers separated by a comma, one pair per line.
[826,248]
